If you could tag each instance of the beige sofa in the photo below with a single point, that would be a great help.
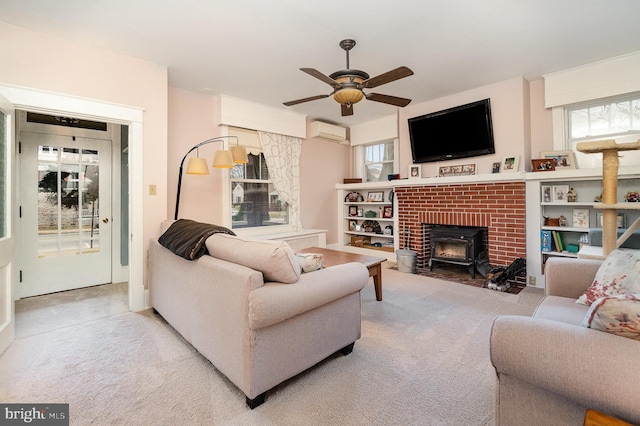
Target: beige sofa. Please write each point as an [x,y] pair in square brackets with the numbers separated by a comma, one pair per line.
[257,332]
[550,369]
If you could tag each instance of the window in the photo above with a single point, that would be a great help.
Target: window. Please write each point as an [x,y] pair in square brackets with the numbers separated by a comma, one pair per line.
[254,200]
[618,116]
[378,161]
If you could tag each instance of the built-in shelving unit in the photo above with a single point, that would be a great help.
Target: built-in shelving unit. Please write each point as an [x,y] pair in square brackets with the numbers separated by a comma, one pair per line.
[367,218]
[587,183]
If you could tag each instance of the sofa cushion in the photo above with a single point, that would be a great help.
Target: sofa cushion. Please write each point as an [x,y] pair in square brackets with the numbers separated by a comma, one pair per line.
[618,315]
[310,262]
[618,274]
[275,259]
[563,309]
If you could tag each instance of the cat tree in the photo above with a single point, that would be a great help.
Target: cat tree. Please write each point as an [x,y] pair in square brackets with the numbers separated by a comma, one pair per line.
[610,205]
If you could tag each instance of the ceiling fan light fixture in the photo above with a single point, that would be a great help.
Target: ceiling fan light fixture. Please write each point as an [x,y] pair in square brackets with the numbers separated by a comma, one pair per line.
[348,96]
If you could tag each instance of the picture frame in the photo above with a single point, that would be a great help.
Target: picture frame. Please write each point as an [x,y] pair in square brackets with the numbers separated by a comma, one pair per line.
[354,197]
[415,171]
[559,193]
[387,212]
[622,220]
[375,196]
[353,211]
[495,167]
[542,165]
[546,193]
[562,159]
[580,218]
[458,170]
[510,164]
[353,224]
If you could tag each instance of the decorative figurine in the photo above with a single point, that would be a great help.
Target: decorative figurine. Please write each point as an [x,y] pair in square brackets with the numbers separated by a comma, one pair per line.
[563,221]
[632,197]
[572,195]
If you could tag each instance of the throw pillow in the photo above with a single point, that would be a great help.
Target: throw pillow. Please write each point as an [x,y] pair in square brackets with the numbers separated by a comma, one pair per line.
[310,262]
[618,315]
[275,259]
[618,274]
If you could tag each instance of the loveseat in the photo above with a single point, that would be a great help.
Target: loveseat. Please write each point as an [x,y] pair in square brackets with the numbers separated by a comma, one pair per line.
[551,369]
[249,310]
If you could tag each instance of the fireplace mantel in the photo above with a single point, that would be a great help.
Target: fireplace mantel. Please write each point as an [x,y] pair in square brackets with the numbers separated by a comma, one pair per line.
[452,180]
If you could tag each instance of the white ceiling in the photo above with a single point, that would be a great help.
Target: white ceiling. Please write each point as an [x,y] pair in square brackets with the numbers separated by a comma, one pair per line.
[253,49]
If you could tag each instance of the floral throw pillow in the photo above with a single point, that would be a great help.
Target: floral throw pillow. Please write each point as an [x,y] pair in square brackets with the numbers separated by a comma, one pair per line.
[310,262]
[618,315]
[618,274]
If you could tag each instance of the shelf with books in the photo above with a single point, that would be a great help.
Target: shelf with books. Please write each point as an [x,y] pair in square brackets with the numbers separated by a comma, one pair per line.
[568,203]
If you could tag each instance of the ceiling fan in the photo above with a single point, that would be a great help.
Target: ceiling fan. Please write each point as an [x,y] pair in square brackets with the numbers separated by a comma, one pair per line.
[348,84]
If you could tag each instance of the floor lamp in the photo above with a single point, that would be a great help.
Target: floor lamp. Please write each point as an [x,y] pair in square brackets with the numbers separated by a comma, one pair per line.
[223,159]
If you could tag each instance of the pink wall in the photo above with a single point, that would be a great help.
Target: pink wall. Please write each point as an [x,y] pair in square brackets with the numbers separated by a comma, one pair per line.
[541,122]
[322,165]
[192,120]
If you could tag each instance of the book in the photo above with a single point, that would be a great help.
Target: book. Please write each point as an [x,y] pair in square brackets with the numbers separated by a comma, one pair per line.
[557,239]
[581,218]
[545,240]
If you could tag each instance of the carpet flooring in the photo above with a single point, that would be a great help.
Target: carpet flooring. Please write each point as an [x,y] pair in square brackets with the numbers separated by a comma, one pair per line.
[423,359]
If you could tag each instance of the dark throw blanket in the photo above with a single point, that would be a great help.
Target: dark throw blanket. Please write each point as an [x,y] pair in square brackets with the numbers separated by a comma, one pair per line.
[186,237]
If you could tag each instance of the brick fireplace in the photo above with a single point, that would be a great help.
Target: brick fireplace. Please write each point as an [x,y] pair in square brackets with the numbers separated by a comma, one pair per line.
[497,206]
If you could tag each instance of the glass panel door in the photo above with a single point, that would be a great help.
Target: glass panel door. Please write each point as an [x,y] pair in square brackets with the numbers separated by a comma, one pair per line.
[66,205]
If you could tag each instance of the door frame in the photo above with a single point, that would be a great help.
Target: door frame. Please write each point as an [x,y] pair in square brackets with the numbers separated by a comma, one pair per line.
[60,104]
[7,251]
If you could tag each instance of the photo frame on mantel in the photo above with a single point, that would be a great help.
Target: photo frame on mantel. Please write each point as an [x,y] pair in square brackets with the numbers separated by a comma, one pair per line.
[415,171]
[561,159]
[510,164]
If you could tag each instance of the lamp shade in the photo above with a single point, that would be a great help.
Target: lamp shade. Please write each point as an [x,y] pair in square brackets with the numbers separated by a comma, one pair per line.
[348,96]
[223,159]
[239,154]
[197,166]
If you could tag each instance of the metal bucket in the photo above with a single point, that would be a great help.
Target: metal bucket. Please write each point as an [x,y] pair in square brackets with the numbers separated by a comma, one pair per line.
[406,260]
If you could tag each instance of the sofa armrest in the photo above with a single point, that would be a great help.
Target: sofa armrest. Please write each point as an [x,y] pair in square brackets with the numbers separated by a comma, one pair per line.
[569,277]
[593,368]
[275,302]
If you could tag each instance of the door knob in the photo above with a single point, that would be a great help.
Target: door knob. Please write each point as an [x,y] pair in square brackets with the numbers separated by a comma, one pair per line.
[105,220]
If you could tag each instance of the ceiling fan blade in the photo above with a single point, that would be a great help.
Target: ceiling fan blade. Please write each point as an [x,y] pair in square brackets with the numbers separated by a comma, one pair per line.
[386,99]
[346,110]
[317,74]
[299,101]
[387,77]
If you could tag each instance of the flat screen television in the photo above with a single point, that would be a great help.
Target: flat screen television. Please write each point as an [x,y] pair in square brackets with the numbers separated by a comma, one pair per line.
[459,132]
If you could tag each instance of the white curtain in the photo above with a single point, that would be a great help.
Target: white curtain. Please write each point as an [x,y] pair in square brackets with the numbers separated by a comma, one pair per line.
[282,154]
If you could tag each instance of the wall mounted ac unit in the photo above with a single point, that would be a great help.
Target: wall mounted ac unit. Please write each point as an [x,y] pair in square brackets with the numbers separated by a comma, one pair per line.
[319,129]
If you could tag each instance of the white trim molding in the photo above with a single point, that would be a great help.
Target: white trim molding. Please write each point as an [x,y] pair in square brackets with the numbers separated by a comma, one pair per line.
[611,77]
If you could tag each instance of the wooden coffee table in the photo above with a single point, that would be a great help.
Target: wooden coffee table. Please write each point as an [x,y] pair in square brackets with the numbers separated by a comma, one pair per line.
[336,257]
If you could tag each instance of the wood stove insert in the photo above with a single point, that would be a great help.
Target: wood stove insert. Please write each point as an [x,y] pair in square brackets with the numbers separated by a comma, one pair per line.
[456,245]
